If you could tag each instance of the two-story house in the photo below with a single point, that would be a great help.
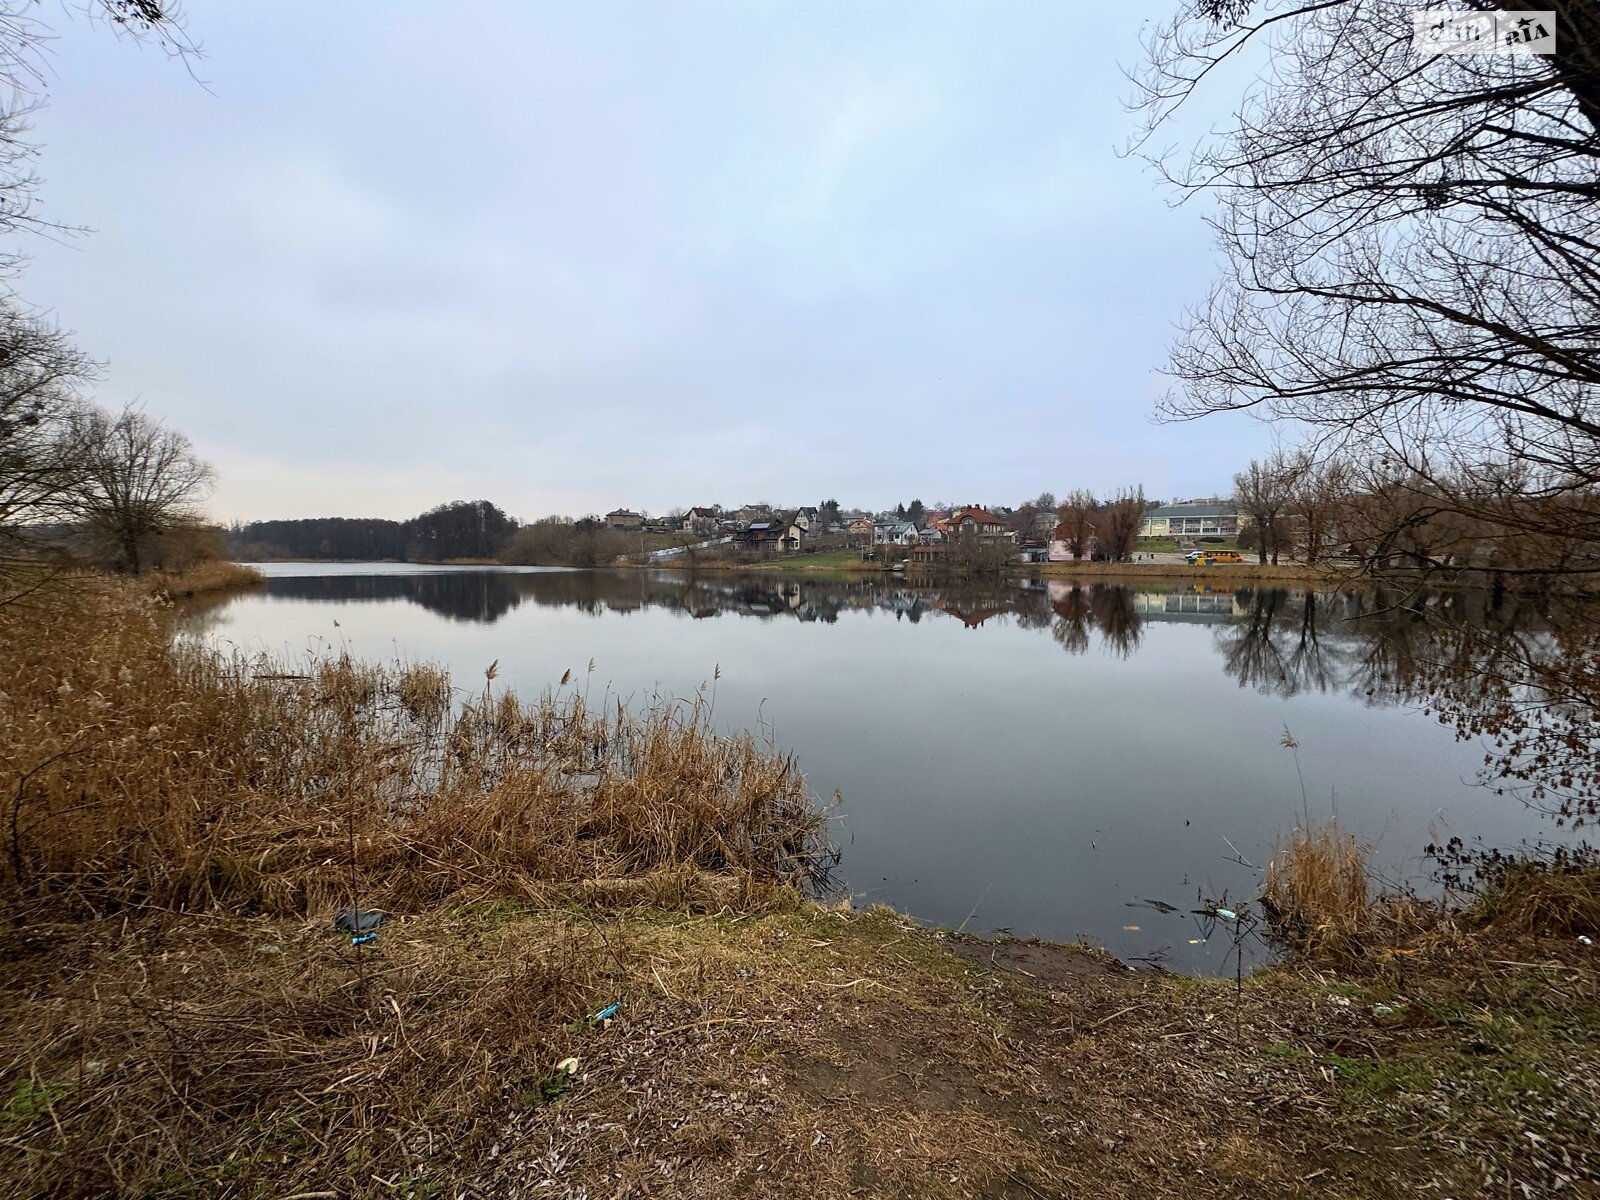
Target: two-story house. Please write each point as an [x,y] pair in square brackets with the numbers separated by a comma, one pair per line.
[700,521]
[973,521]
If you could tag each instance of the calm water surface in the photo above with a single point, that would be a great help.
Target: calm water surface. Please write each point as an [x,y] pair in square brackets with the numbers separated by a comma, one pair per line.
[1027,757]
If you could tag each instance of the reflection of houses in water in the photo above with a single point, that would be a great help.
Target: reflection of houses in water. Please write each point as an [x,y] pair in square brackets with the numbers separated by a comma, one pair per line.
[1200,605]
[1191,606]
[484,596]
[972,605]
[970,617]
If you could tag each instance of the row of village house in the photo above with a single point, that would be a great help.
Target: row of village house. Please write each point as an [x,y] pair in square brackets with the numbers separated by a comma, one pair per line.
[758,530]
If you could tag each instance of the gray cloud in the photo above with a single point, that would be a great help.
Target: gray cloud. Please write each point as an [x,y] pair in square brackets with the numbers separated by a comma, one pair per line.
[573,256]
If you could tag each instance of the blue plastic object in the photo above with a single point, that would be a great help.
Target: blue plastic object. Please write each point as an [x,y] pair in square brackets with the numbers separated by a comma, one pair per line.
[361,939]
[605,1014]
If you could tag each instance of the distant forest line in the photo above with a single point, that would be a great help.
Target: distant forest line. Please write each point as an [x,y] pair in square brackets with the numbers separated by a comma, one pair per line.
[464,529]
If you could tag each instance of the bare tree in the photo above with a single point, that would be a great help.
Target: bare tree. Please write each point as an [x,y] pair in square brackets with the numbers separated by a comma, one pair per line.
[140,480]
[1263,491]
[1413,248]
[1023,520]
[1319,492]
[1117,524]
[41,459]
[24,76]
[1075,522]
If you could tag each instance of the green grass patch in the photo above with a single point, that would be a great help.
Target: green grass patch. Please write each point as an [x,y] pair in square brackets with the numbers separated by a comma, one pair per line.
[27,1100]
[824,560]
[1367,1079]
[1283,1052]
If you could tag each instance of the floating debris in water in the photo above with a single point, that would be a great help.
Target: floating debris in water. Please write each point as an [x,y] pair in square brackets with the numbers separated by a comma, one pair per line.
[1161,906]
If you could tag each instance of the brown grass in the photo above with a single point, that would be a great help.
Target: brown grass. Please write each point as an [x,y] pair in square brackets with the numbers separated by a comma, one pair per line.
[202,579]
[1539,898]
[135,772]
[1319,902]
[178,1018]
[177,830]
[1316,891]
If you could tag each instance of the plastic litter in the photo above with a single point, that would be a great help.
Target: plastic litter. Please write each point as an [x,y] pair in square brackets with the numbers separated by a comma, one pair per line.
[359,920]
[569,1065]
[606,1013]
[1227,914]
[361,939]
[1382,1010]
[1586,939]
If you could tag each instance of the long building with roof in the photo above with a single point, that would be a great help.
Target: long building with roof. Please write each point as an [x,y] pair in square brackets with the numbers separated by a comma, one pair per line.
[1214,517]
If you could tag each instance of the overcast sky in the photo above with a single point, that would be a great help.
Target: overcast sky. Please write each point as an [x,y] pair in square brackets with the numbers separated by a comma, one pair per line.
[573,256]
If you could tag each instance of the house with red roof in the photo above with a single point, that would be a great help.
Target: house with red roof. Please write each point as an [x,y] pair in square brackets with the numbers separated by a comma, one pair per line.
[973,521]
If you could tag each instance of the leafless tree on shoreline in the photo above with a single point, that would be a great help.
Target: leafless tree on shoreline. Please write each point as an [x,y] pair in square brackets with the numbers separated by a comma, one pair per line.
[1412,247]
[140,480]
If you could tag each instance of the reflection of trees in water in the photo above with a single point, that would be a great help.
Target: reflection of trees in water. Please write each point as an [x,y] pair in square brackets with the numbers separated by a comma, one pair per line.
[1280,642]
[1072,620]
[482,597]
[1520,674]
[1105,608]
[1119,622]
[1515,672]
[486,596]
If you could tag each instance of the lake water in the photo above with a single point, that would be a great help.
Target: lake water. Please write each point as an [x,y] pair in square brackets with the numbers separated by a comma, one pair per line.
[1022,756]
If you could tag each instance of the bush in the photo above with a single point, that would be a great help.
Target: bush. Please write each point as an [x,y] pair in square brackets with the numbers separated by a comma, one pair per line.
[1315,891]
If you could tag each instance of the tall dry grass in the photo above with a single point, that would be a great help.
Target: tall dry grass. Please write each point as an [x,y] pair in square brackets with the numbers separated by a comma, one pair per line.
[136,771]
[205,578]
[1316,890]
[1320,901]
[1557,897]
[177,828]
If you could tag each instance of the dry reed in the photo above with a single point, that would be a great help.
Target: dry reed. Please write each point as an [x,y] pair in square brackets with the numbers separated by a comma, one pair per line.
[178,828]
[204,578]
[136,771]
[1542,898]
[1316,892]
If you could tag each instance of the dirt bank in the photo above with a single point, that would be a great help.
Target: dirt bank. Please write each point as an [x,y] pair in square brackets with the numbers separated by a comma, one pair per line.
[799,1052]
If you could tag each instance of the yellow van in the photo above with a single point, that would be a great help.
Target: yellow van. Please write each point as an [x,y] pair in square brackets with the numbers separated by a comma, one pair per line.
[1212,557]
